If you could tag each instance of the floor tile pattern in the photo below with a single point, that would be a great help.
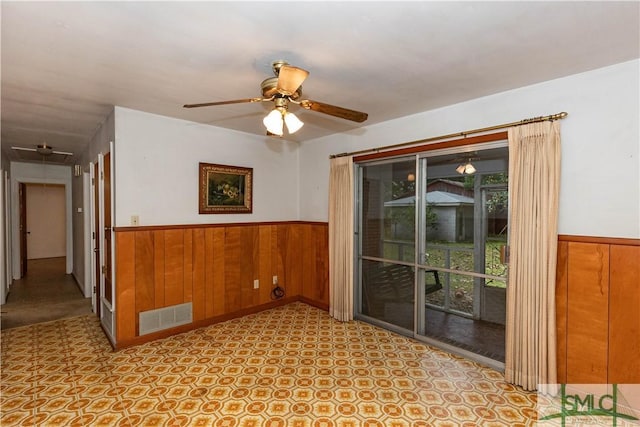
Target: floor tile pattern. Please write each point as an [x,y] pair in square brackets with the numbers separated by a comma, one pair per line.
[290,366]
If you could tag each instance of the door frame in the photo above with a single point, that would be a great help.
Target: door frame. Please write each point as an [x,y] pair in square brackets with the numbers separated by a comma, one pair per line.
[5,236]
[15,218]
[420,250]
[22,227]
[96,261]
[105,308]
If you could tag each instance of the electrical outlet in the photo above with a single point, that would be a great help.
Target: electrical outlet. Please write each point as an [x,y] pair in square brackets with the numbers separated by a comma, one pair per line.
[275,280]
[256,284]
[135,220]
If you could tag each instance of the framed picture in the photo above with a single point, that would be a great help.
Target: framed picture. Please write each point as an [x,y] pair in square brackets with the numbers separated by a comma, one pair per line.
[225,189]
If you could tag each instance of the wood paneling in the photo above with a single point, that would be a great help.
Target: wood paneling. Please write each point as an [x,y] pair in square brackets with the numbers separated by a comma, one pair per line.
[173,267]
[126,314]
[232,270]
[561,312]
[605,240]
[144,271]
[214,268]
[598,310]
[188,266]
[158,267]
[315,264]
[265,272]
[624,315]
[587,313]
[198,287]
[217,290]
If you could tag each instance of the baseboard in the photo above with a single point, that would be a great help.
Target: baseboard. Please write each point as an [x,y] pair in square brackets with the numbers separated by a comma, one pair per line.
[316,304]
[79,284]
[203,323]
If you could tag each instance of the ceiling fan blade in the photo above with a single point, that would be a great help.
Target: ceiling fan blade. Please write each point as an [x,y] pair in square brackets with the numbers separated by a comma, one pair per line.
[290,78]
[23,149]
[235,101]
[332,110]
[35,150]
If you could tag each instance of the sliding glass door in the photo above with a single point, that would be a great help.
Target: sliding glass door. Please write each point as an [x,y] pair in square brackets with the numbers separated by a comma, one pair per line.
[386,241]
[432,234]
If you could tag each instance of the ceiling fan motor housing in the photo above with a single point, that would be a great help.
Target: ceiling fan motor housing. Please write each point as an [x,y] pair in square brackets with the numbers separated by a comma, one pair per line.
[44,149]
[270,88]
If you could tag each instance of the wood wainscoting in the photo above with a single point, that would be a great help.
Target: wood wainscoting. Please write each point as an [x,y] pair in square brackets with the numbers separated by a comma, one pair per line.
[598,310]
[214,268]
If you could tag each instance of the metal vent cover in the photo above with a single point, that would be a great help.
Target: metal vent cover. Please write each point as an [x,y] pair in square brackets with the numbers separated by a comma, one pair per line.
[165,318]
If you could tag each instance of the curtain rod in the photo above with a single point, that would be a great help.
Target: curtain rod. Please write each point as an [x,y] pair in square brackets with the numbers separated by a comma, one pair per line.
[455,135]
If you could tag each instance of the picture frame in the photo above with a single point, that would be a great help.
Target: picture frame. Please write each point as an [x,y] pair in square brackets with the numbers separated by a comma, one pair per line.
[224,189]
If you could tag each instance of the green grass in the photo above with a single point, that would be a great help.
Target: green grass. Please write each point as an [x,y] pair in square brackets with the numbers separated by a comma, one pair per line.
[460,258]
[460,255]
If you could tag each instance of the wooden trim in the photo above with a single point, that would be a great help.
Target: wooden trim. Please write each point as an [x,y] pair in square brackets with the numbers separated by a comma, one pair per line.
[491,137]
[602,240]
[107,334]
[195,226]
[316,304]
[206,322]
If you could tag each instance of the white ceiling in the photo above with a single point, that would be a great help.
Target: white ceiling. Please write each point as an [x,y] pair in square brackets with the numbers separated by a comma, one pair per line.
[65,64]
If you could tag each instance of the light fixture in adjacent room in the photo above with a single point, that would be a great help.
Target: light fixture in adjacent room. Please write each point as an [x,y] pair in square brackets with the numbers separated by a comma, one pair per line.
[411,177]
[279,117]
[466,168]
[44,149]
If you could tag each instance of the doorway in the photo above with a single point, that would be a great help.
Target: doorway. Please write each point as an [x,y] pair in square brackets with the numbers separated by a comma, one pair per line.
[45,214]
[43,220]
[431,236]
[45,290]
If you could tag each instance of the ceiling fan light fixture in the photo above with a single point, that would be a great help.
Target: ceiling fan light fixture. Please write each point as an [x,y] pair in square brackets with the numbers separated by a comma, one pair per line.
[273,122]
[469,169]
[293,122]
[44,149]
[286,87]
[466,168]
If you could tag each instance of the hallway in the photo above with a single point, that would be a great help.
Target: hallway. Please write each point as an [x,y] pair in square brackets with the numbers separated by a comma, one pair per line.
[46,293]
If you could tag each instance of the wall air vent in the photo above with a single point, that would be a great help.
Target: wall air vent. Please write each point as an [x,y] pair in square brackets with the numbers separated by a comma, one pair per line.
[165,318]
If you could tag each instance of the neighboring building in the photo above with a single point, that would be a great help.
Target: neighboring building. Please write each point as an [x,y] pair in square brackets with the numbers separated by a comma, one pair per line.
[453,213]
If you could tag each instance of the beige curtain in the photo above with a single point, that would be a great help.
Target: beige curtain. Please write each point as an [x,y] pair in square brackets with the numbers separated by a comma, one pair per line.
[534,182]
[341,238]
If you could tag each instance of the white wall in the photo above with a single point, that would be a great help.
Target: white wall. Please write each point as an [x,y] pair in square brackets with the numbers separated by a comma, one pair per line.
[600,181]
[82,208]
[39,173]
[100,141]
[78,214]
[156,174]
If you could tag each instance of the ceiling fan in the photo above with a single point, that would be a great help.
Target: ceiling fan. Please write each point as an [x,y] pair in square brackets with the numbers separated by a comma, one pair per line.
[43,149]
[284,89]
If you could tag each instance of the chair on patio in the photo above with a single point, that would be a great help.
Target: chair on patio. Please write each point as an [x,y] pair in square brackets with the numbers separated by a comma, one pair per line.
[392,283]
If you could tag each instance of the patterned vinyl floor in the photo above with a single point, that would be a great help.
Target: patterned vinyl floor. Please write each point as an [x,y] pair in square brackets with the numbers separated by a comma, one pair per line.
[290,366]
